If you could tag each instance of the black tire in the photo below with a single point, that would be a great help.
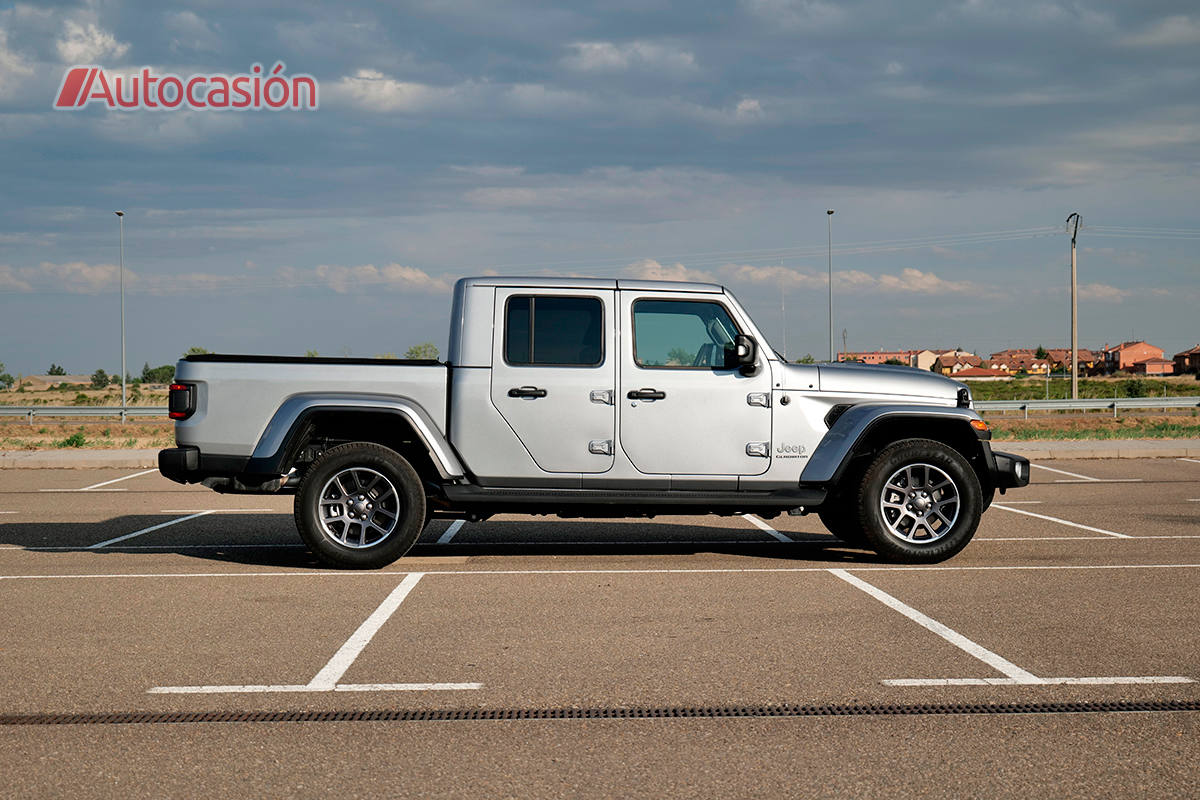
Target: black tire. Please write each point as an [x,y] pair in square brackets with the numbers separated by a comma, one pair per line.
[386,528]
[922,522]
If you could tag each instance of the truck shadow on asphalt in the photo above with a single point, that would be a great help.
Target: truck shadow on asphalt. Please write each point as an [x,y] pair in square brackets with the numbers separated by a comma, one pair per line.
[271,541]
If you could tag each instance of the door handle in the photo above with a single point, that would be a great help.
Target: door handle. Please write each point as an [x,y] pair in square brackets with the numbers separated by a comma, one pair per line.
[526,391]
[646,394]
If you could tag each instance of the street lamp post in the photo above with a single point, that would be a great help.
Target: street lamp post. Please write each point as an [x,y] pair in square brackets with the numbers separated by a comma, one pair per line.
[829,235]
[121,218]
[1074,312]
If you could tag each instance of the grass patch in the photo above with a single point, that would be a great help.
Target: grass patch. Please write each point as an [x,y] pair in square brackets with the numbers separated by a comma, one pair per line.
[1118,429]
[74,440]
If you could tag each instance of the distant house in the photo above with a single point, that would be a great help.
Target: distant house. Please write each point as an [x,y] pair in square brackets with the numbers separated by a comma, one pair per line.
[1060,359]
[982,374]
[1126,354]
[1153,366]
[957,361]
[1188,361]
[876,356]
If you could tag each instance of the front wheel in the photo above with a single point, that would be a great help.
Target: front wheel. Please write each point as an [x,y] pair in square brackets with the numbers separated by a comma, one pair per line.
[360,506]
[919,502]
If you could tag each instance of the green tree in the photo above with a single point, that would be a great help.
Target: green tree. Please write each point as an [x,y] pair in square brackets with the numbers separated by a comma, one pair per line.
[896,361]
[311,354]
[678,356]
[99,379]
[808,359]
[1040,352]
[55,369]
[6,380]
[195,351]
[427,350]
[163,374]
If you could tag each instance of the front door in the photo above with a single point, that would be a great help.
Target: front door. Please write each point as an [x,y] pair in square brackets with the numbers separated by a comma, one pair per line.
[554,375]
[685,408]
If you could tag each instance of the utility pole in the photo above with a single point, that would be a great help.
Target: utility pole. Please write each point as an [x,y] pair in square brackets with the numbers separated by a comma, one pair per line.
[829,234]
[843,341]
[783,315]
[1074,309]
[121,217]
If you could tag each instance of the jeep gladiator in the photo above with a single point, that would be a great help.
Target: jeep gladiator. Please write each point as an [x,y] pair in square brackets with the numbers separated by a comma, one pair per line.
[590,398]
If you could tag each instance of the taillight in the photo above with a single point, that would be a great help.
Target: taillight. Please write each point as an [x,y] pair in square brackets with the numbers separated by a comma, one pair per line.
[181,402]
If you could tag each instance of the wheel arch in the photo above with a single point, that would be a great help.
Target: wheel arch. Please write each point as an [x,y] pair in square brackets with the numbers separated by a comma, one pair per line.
[863,431]
[397,423]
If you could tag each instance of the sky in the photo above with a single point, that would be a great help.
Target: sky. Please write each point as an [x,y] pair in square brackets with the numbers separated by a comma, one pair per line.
[688,141]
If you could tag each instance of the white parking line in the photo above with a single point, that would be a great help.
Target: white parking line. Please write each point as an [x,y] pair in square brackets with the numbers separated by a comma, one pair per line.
[327,679]
[118,480]
[1192,460]
[1023,502]
[1015,676]
[8,512]
[454,528]
[1064,472]
[758,523]
[652,571]
[996,662]
[1077,478]
[1064,522]
[216,510]
[159,526]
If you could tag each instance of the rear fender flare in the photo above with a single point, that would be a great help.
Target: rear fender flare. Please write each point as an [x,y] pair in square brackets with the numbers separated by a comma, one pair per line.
[289,420]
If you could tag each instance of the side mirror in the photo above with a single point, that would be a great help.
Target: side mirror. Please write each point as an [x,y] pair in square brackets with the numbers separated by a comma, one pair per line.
[745,353]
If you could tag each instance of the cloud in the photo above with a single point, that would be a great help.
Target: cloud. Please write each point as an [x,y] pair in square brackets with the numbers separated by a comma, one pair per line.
[909,281]
[73,277]
[639,54]
[748,109]
[1102,292]
[650,270]
[190,32]
[343,279]
[10,281]
[371,90]
[1174,31]
[13,68]
[87,43]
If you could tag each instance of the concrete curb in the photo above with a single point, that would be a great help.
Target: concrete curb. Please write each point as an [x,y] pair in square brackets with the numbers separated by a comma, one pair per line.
[1102,448]
[78,459]
[1039,449]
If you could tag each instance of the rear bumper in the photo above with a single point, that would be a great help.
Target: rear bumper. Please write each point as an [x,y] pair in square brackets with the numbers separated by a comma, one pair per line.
[188,465]
[180,464]
[1009,471]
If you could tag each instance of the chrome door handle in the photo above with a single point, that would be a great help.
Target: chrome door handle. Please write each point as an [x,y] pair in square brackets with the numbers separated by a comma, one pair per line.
[526,391]
[646,394]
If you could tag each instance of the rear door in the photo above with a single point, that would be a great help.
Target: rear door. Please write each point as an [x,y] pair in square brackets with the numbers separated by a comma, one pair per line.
[683,410]
[554,374]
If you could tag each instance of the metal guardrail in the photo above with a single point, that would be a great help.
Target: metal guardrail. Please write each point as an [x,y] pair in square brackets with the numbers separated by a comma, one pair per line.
[29,412]
[1096,404]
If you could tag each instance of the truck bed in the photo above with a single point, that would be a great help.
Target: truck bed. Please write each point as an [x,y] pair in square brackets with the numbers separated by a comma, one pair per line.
[232,420]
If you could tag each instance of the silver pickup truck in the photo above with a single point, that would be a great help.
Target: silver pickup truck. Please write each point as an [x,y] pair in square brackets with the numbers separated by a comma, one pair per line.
[590,398]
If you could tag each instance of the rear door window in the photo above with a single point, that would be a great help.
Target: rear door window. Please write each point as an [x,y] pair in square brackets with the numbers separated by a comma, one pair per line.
[554,331]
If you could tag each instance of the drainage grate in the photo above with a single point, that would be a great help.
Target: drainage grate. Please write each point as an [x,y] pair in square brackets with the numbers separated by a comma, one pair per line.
[667,712]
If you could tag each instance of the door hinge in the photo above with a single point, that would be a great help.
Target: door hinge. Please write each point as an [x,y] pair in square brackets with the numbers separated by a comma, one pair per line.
[604,396]
[759,399]
[760,449]
[600,447]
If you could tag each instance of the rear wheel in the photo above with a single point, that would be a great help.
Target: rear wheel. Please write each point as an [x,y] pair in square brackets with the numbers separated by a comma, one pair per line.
[360,506]
[919,502]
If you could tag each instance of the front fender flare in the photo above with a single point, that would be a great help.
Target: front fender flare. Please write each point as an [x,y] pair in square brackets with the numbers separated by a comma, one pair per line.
[827,460]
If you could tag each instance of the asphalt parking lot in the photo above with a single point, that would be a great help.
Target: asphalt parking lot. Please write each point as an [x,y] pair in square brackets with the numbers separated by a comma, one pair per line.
[151,633]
